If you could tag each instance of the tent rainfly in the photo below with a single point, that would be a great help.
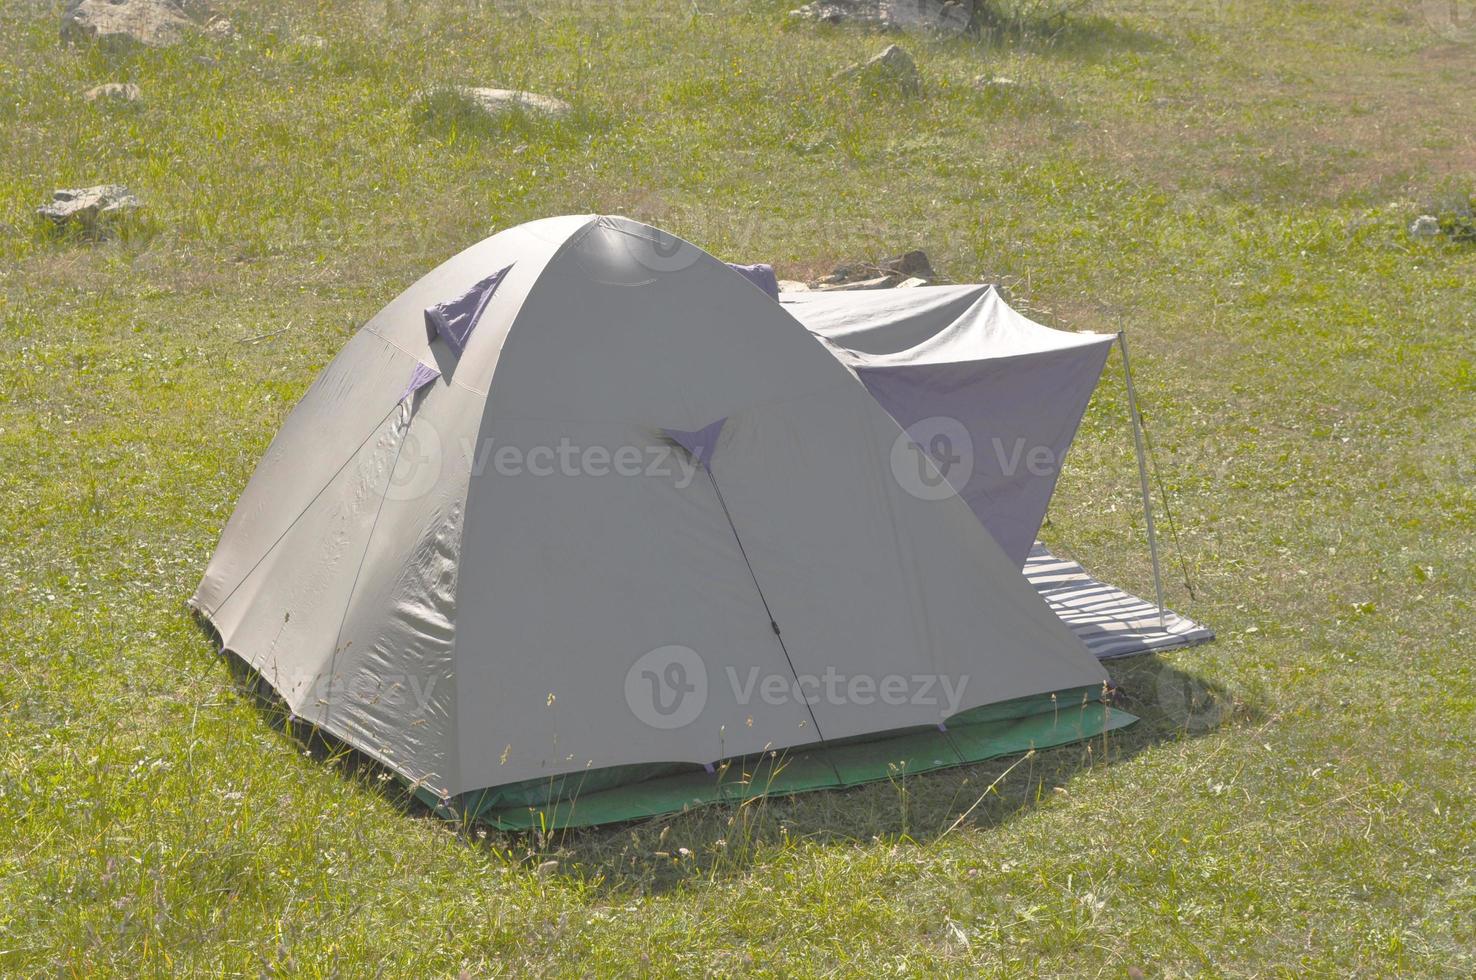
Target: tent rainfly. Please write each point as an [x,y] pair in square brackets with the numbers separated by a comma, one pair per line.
[584,526]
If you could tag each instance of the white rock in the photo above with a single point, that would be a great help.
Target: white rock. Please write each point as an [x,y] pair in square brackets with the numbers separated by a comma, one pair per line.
[222,30]
[121,91]
[496,100]
[1425,226]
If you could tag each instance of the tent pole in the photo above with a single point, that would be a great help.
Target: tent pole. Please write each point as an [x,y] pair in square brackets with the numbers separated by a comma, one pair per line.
[773,624]
[1137,422]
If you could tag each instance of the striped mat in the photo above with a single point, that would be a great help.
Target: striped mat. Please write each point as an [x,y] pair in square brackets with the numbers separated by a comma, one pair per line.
[1111,622]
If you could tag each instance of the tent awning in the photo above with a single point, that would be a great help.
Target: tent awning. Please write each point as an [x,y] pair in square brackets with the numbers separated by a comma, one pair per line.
[992,397]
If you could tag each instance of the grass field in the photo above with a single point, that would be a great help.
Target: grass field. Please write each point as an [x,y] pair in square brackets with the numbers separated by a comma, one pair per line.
[1231,181]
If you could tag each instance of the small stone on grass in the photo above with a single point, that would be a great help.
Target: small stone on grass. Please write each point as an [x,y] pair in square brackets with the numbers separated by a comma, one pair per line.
[113,92]
[88,209]
[892,66]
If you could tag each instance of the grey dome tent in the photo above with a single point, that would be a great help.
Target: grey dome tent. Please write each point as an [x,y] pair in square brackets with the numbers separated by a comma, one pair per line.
[584,526]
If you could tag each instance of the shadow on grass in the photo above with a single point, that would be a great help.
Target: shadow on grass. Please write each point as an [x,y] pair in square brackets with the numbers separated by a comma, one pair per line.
[324,747]
[131,230]
[661,853]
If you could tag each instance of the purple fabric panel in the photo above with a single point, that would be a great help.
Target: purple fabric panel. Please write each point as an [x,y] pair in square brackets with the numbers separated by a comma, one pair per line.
[454,320]
[419,378]
[761,275]
[1006,425]
[701,442]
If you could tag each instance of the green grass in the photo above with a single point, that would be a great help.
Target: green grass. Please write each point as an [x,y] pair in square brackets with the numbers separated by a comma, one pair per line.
[1232,181]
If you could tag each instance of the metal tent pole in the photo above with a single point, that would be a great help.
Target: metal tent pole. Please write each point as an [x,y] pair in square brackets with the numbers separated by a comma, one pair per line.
[1137,421]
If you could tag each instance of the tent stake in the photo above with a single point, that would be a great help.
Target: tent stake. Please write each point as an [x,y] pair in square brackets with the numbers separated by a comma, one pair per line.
[1127,373]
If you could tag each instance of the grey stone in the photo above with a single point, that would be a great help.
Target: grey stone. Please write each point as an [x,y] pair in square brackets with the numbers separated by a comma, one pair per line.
[111,91]
[913,263]
[793,286]
[931,16]
[910,269]
[88,208]
[152,23]
[893,65]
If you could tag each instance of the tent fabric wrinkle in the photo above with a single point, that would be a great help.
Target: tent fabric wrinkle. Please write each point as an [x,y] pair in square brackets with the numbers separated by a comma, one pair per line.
[455,319]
